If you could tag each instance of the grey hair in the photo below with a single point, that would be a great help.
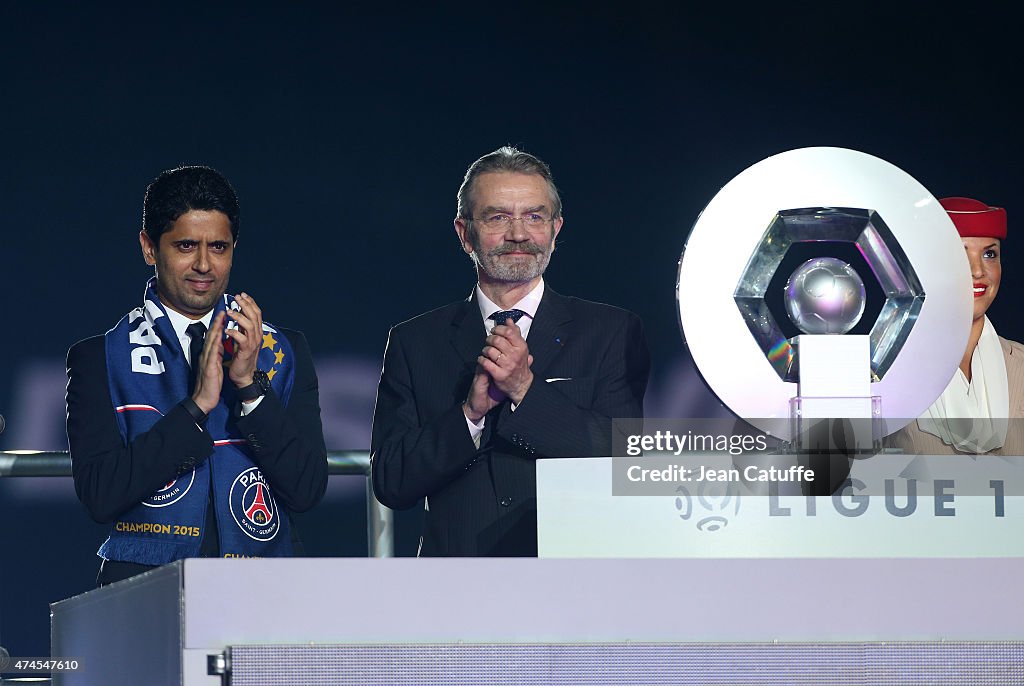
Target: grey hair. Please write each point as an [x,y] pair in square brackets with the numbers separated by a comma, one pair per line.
[511,160]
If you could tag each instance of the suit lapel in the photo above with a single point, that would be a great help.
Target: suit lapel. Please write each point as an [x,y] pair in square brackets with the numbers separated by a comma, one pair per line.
[468,333]
[549,331]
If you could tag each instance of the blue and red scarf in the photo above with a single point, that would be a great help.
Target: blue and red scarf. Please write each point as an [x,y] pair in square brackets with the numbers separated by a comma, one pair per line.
[148,376]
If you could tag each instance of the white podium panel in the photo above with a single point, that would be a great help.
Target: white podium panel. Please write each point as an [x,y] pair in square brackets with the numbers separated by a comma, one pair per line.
[898,506]
[399,621]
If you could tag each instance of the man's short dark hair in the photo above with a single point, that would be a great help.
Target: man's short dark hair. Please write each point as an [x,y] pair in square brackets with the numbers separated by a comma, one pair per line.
[511,160]
[177,191]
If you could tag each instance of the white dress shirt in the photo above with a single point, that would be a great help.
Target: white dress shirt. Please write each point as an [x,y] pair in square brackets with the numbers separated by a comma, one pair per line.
[528,304]
[180,323]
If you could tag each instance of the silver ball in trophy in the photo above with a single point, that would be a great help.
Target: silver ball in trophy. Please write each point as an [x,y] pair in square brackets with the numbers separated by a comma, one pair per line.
[825,295]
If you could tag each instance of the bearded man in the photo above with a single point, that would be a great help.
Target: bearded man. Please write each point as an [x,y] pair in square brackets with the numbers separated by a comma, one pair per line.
[473,393]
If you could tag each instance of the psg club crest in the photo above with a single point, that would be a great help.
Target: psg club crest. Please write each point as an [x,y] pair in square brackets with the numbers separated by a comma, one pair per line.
[172,492]
[252,506]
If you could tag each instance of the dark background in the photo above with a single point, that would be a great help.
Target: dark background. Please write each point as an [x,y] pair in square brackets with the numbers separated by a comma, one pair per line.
[346,132]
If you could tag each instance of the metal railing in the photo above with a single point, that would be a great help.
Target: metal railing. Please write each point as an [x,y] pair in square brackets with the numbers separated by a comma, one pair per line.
[379,519]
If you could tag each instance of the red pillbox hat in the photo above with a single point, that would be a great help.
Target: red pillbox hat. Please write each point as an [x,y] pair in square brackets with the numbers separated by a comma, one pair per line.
[975,218]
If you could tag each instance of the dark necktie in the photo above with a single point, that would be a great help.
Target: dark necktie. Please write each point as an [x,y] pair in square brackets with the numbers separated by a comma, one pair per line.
[210,547]
[197,338]
[503,316]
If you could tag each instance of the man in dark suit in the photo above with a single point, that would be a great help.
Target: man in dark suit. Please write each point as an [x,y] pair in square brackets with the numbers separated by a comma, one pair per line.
[194,437]
[474,392]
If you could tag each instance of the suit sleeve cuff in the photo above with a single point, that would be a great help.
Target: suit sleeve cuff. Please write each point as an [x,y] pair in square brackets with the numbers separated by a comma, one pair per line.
[195,412]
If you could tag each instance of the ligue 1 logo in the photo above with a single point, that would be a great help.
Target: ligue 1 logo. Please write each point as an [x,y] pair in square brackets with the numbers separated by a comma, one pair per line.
[172,492]
[715,501]
[253,507]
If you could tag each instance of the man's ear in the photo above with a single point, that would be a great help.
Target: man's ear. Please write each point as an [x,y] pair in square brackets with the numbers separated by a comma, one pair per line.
[556,226]
[148,248]
[463,231]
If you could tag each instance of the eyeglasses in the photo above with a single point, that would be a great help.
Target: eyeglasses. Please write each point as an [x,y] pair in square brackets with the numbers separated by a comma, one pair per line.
[499,223]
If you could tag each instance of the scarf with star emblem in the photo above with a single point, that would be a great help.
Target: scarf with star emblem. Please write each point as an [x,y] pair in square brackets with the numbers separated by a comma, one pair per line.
[148,376]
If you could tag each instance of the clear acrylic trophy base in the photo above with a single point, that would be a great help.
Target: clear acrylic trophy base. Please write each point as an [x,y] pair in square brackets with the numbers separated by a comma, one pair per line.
[850,426]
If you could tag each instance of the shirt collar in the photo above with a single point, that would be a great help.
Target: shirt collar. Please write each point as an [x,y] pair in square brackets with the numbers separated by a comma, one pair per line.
[529,303]
[180,322]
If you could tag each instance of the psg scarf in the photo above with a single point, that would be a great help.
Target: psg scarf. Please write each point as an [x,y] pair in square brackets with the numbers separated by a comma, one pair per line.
[148,376]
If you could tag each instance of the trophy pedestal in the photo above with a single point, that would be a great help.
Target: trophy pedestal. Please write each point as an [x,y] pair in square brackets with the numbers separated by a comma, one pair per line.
[835,411]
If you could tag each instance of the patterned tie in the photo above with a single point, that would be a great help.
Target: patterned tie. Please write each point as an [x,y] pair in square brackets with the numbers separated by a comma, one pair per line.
[503,316]
[197,337]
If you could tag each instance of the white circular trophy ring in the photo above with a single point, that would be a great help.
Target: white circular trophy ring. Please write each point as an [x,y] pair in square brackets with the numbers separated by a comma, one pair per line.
[824,194]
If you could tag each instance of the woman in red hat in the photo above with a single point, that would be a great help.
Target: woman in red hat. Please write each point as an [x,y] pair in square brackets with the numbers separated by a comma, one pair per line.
[988,388]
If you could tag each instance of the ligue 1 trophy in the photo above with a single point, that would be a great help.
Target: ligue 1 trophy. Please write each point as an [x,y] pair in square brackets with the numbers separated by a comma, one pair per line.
[874,382]
[825,299]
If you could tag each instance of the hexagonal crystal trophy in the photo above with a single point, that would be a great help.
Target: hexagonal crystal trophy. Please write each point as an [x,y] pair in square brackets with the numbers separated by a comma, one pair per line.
[825,298]
[912,252]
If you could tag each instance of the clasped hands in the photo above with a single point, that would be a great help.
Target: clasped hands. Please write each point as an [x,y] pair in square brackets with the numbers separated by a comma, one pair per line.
[502,371]
[248,338]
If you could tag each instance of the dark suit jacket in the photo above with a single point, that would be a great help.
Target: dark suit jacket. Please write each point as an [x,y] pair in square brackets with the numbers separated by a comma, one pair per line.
[591,364]
[110,477]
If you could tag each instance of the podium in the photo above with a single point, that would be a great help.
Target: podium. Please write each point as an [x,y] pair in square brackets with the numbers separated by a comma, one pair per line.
[556,621]
[775,615]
